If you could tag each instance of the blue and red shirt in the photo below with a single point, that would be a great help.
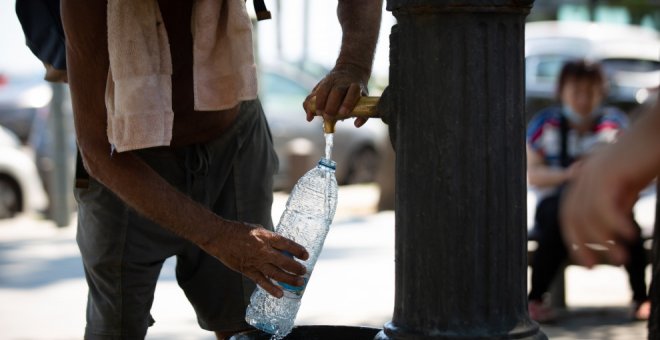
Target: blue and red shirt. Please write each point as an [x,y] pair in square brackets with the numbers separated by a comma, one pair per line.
[544,133]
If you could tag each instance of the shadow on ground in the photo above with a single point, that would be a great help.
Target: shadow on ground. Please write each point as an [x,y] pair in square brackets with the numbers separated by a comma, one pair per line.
[33,263]
[596,323]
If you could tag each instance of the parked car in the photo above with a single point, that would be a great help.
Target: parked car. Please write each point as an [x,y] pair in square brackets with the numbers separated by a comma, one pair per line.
[20,186]
[629,56]
[22,88]
[21,96]
[42,142]
[25,110]
[283,89]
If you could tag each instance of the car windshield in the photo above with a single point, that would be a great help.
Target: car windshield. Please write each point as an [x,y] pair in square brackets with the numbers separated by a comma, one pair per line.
[547,69]
[280,94]
[630,65]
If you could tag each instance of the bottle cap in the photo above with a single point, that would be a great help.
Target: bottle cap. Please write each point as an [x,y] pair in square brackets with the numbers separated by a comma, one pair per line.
[328,163]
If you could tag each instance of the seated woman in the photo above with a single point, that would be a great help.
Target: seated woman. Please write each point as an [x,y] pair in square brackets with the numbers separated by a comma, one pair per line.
[557,137]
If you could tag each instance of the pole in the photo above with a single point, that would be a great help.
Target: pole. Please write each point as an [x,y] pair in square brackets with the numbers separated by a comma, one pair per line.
[61,180]
[278,28]
[456,77]
[305,43]
[592,10]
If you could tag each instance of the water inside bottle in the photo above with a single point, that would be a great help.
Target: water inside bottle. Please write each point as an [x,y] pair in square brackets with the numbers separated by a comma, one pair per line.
[276,337]
[329,140]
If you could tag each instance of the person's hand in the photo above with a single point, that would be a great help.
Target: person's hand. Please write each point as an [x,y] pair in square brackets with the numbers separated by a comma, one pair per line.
[574,170]
[597,206]
[259,254]
[596,209]
[338,93]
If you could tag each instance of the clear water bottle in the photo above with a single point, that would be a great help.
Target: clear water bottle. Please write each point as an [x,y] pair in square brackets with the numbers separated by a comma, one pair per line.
[306,220]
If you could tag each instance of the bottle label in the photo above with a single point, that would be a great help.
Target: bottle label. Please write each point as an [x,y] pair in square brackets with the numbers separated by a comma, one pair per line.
[295,292]
[290,291]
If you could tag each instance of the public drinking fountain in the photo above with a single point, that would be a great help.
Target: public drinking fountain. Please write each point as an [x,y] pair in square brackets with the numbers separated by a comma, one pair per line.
[455,106]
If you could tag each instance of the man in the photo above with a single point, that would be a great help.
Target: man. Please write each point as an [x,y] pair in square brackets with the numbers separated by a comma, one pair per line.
[205,197]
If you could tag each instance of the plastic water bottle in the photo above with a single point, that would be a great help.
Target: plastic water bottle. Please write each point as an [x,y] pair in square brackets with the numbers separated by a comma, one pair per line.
[306,220]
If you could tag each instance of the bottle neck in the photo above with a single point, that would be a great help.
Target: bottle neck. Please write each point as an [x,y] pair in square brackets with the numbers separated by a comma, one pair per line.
[327,164]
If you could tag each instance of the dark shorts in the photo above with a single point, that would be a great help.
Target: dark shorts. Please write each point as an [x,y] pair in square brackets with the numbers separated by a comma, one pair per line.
[123,252]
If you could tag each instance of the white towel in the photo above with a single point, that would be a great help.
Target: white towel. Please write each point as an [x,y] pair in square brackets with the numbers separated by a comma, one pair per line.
[139,88]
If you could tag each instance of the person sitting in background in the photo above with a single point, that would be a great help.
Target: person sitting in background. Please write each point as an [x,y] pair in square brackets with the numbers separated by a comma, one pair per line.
[558,139]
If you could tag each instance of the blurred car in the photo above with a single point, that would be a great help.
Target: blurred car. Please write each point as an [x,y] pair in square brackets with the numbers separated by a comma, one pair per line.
[283,89]
[629,56]
[20,186]
[21,96]
[25,110]
[42,142]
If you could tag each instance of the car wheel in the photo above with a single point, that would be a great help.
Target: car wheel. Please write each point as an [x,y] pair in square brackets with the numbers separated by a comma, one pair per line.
[10,197]
[363,166]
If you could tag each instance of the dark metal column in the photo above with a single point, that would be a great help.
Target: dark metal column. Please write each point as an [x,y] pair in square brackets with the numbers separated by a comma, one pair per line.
[457,87]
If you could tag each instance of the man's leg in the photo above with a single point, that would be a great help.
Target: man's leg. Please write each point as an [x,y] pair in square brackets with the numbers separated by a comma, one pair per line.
[123,253]
[122,258]
[239,187]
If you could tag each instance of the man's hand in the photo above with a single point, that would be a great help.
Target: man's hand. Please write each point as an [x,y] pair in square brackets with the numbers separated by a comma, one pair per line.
[258,254]
[338,92]
[596,209]
[341,89]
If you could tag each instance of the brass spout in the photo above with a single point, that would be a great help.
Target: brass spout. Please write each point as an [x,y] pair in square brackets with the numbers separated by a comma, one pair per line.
[367,107]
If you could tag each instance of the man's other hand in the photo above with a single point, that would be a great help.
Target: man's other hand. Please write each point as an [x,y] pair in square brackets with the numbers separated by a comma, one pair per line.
[259,254]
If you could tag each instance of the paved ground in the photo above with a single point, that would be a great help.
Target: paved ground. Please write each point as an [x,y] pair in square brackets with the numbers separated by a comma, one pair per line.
[43,292]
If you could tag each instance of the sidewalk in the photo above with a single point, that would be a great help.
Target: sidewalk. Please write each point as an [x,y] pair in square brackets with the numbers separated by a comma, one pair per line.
[43,291]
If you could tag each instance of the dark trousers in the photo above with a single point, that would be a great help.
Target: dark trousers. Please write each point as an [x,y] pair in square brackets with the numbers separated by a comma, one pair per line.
[654,319]
[551,254]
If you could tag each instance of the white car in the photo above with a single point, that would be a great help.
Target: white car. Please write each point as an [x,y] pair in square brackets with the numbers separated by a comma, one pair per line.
[21,189]
[283,90]
[629,55]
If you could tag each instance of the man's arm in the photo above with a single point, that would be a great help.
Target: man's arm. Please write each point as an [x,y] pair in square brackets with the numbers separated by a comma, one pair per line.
[341,89]
[248,249]
[597,206]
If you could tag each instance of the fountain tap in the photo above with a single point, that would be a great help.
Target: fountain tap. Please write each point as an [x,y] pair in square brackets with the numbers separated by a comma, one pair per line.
[367,107]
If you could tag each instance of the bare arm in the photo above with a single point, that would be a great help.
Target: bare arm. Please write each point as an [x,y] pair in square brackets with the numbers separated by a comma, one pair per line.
[597,206]
[540,174]
[341,89]
[251,250]
[360,23]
